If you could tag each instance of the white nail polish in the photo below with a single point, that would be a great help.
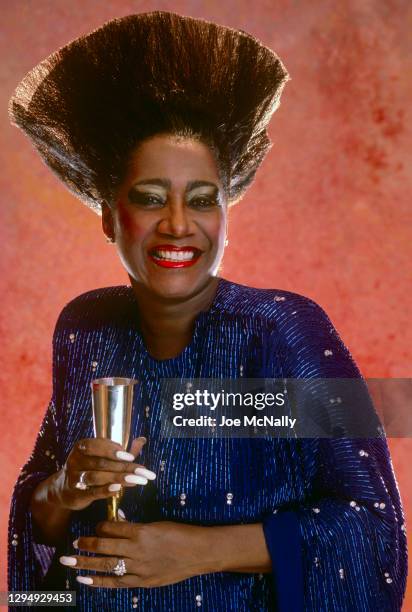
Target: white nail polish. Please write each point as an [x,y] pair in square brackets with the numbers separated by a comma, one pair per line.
[121,514]
[135,479]
[145,472]
[76,543]
[124,456]
[68,560]
[84,579]
[115,487]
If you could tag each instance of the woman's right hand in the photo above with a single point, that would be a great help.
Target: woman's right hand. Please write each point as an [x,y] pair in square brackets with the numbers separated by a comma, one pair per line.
[106,465]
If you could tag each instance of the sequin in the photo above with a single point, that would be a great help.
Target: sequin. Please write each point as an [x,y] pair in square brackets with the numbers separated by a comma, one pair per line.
[327,352]
[316,510]
[382,505]
[279,298]
[341,574]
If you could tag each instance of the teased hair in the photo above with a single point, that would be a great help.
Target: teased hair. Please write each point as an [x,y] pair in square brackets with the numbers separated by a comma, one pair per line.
[87,105]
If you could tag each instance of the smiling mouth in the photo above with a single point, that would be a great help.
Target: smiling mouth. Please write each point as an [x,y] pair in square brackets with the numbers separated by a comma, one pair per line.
[176,258]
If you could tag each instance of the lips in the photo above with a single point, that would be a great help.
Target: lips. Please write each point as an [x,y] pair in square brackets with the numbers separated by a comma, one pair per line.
[169,263]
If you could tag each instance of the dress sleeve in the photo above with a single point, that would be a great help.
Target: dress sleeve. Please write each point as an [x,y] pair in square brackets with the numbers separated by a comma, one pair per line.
[28,558]
[343,546]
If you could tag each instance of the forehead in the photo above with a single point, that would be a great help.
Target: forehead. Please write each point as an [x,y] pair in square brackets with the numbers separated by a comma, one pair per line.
[180,160]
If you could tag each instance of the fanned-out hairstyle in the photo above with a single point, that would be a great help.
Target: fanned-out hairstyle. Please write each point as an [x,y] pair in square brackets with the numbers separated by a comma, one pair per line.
[89,104]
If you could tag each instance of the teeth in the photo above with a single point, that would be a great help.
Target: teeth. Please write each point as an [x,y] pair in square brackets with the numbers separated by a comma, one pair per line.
[174,256]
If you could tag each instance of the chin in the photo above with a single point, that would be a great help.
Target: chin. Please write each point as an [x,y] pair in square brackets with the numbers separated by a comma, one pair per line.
[176,288]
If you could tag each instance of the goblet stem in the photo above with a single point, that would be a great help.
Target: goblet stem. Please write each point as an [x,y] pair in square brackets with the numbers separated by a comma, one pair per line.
[113,507]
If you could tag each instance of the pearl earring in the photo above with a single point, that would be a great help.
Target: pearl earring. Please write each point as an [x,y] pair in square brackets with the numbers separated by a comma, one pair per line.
[226,242]
[109,239]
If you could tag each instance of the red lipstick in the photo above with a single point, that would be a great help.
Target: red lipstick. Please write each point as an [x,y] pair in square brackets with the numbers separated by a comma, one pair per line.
[168,263]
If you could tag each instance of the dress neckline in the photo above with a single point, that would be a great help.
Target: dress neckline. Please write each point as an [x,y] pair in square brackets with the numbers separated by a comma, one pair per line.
[189,351]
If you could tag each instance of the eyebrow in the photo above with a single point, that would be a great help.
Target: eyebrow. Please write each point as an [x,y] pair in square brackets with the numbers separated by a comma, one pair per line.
[167,183]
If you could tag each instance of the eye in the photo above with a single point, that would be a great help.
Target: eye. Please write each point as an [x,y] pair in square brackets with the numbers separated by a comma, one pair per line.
[137,197]
[203,202]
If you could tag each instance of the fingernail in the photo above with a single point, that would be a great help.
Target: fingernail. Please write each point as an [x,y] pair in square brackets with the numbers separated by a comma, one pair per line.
[68,560]
[142,439]
[145,472]
[124,455]
[84,579]
[121,513]
[76,543]
[135,479]
[115,487]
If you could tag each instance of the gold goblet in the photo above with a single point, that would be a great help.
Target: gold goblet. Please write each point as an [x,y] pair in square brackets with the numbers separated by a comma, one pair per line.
[112,401]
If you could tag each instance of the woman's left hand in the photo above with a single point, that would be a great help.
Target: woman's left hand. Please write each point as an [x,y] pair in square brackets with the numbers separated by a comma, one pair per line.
[155,554]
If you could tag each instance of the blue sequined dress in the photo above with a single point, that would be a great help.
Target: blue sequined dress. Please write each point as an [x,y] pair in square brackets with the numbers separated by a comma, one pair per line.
[332,515]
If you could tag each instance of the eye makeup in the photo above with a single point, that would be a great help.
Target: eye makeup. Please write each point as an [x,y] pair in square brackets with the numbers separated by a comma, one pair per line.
[198,190]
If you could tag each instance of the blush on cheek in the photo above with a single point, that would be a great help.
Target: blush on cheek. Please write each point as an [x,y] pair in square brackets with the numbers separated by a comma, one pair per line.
[128,221]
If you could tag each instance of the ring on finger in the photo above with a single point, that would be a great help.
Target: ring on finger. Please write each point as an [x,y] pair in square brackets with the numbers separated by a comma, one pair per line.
[120,568]
[81,484]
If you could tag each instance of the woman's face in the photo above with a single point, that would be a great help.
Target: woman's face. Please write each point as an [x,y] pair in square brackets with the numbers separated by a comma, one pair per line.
[169,220]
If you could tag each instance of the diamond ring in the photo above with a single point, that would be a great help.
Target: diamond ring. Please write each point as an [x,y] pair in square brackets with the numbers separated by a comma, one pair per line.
[120,568]
[81,484]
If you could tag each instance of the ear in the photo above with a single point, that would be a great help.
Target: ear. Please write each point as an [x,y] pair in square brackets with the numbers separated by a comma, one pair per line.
[107,220]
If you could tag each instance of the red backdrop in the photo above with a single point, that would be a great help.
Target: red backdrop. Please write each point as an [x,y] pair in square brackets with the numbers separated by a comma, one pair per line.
[327,216]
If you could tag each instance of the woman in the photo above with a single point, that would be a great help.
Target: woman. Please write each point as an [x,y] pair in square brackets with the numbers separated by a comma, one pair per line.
[152,121]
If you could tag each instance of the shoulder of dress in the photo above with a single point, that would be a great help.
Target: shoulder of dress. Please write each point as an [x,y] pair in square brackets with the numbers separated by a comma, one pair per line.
[102,304]
[273,304]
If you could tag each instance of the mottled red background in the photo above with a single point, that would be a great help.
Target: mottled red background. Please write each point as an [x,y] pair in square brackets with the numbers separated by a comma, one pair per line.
[328,215]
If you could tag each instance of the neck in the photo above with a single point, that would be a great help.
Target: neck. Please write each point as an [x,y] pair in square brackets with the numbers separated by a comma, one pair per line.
[167,325]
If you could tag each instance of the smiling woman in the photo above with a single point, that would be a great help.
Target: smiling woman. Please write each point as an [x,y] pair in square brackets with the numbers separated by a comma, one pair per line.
[161,148]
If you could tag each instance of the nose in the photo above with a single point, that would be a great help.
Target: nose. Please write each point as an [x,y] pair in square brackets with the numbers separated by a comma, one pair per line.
[175,219]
